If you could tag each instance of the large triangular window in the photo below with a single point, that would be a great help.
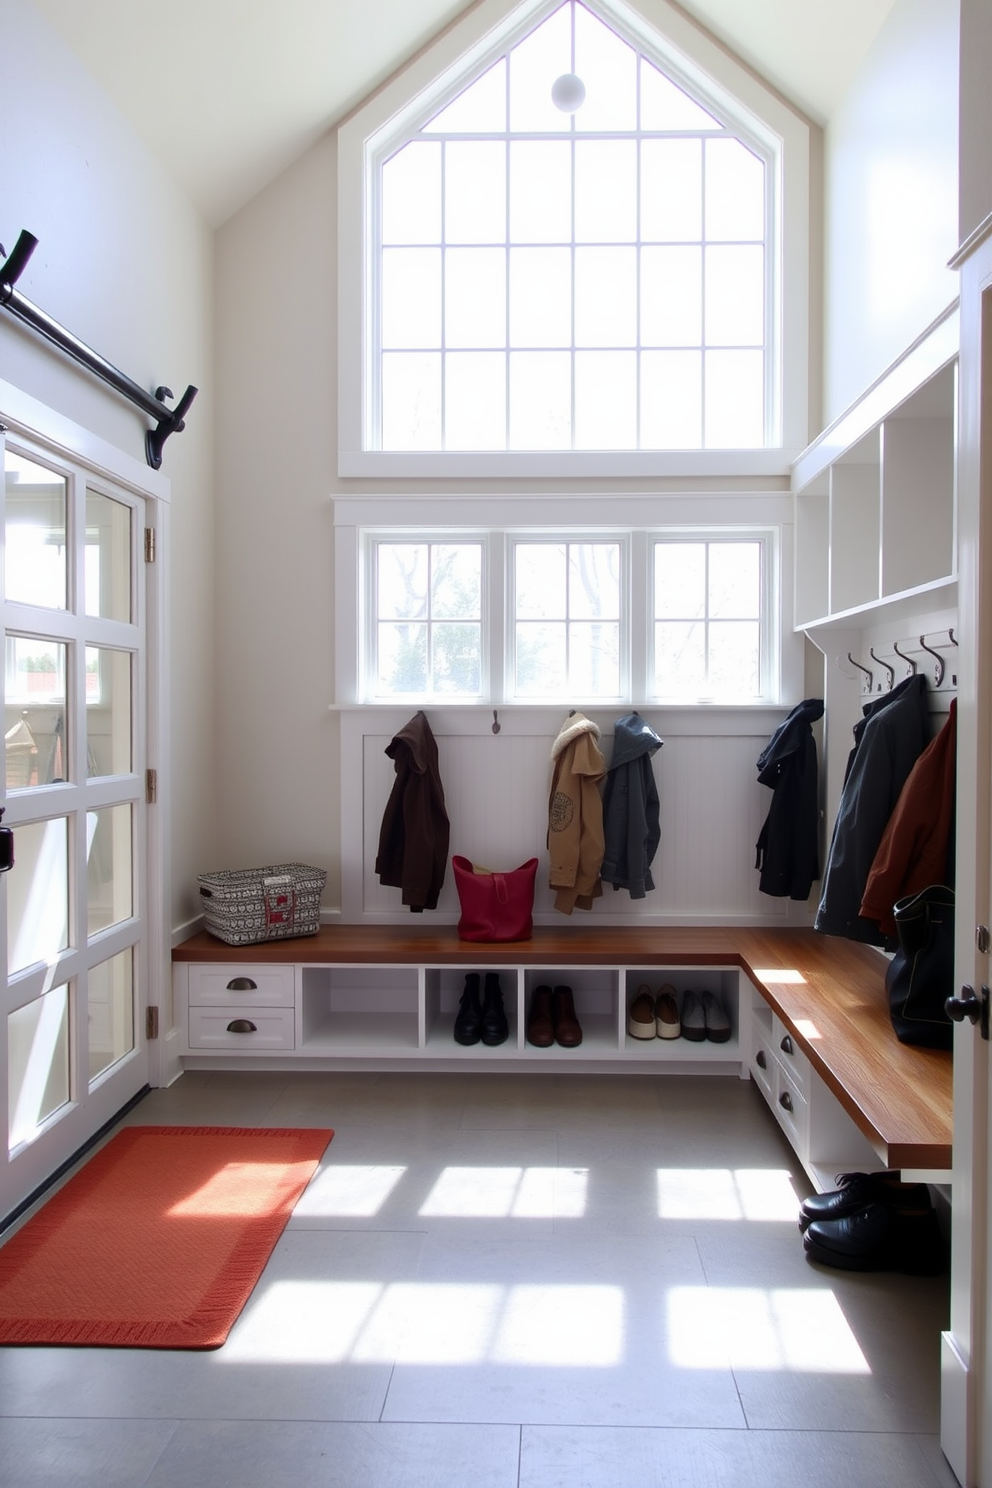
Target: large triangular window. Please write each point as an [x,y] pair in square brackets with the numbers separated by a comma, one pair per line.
[573,247]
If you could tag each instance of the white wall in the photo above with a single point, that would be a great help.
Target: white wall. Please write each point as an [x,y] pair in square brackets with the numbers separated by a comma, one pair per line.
[278,785]
[891,198]
[976,114]
[124,263]
[279,743]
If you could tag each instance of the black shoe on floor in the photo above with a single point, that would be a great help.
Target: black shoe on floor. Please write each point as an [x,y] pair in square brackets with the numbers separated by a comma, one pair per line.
[468,1024]
[495,1028]
[855,1191]
[878,1238]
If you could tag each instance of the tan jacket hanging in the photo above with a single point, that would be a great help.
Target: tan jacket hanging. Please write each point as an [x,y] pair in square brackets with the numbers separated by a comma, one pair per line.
[575,815]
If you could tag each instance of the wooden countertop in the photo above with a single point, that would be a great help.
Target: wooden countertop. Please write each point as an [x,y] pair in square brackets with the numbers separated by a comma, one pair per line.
[829,993]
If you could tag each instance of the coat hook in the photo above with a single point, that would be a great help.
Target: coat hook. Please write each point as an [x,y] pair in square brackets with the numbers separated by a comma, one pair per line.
[938,671]
[867,672]
[909,659]
[496,722]
[890,669]
[950,637]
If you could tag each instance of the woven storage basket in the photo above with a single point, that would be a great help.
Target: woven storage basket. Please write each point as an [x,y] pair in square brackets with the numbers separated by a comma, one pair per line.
[247,905]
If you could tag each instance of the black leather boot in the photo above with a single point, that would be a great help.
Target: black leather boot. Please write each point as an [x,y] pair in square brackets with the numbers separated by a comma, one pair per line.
[468,1023]
[495,1029]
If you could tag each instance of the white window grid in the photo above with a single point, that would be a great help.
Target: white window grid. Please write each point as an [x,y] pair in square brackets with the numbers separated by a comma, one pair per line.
[637,624]
[768,347]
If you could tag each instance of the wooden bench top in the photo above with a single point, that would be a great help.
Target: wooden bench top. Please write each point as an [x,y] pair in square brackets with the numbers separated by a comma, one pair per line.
[829,993]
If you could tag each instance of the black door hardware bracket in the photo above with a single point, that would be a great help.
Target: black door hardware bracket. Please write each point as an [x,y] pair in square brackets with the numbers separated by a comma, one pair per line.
[167,420]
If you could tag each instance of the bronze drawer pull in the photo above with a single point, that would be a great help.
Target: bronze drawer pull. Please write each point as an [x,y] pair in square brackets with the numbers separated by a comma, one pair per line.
[786,1045]
[242,1025]
[785,1100]
[242,984]
[760,1059]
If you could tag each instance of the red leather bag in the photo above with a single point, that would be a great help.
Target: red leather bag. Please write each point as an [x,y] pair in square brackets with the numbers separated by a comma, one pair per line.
[495,906]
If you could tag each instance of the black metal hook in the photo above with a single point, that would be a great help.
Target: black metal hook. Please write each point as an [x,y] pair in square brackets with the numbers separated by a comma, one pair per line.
[938,671]
[890,669]
[496,722]
[909,659]
[868,673]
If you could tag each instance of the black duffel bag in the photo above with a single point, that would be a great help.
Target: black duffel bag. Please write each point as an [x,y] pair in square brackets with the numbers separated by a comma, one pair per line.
[920,976]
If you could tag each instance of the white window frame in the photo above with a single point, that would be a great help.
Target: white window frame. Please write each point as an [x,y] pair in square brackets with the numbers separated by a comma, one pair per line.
[439,74]
[368,617]
[769,617]
[780,661]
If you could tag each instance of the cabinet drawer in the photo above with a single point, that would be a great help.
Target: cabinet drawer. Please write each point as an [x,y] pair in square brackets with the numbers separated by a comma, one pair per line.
[791,1112]
[763,1069]
[237,986]
[248,1031]
[790,1056]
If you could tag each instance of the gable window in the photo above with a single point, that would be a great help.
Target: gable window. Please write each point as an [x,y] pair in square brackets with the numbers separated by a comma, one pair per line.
[573,239]
[549,279]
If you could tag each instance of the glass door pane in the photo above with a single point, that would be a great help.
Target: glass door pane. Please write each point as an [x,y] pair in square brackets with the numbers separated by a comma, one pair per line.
[35,554]
[38,1080]
[111,1012]
[34,712]
[73,793]
[38,894]
[107,565]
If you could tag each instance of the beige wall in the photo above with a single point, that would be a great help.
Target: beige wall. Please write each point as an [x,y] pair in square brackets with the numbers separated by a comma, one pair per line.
[891,199]
[277,395]
[125,264]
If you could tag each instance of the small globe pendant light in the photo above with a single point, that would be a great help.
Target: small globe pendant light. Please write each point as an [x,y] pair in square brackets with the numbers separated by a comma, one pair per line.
[568,93]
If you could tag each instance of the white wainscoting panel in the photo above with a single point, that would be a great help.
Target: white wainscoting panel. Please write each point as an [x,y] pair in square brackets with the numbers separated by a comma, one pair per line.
[496,792]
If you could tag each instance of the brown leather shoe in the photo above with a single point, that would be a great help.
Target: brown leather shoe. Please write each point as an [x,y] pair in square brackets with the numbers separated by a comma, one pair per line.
[540,1024]
[567,1030]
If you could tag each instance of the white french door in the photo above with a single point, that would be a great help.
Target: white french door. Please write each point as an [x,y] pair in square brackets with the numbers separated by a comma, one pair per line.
[74,905]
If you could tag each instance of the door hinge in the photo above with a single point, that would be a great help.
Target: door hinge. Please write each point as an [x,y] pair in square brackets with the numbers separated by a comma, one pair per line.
[149,544]
[151,1022]
[982,940]
[151,787]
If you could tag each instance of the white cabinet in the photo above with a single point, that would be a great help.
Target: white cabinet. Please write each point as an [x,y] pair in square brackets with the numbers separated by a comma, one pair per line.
[816,1126]
[393,1015]
[241,1009]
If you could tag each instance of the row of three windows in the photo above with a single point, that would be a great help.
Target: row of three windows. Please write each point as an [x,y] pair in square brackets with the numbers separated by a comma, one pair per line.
[589,619]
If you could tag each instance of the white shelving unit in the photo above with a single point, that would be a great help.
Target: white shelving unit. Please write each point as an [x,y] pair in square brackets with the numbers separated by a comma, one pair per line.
[390,1016]
[875,523]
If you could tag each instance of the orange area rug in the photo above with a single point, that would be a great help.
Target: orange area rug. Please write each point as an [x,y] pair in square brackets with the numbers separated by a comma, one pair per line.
[158,1241]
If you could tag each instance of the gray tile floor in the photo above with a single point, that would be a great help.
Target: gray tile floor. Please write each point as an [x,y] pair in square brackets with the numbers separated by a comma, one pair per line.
[511,1281]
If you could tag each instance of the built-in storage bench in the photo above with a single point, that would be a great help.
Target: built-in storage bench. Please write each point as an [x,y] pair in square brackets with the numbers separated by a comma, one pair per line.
[808,1018]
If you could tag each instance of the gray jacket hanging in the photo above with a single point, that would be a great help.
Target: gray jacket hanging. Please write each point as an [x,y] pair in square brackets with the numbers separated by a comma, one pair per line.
[631,809]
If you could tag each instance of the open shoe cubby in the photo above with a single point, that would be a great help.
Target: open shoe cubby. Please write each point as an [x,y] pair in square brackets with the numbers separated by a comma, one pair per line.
[327,1016]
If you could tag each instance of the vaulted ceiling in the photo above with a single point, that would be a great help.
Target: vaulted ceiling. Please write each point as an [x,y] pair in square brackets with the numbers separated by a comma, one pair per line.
[228,92]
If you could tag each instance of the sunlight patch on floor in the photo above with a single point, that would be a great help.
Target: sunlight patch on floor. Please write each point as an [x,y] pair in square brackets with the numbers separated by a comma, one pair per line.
[349,1191]
[439,1323]
[761,1194]
[800,1330]
[496,1193]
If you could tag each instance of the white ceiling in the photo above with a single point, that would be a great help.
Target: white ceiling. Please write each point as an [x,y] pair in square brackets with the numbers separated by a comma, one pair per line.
[228,92]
